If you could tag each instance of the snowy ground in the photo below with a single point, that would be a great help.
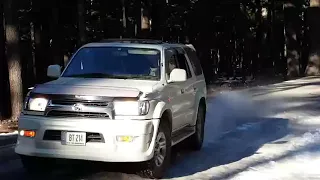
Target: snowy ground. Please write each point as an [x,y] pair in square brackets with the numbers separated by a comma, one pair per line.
[297,155]
[276,136]
[9,134]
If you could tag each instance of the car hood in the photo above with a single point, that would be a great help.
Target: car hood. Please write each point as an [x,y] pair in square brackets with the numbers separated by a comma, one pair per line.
[96,87]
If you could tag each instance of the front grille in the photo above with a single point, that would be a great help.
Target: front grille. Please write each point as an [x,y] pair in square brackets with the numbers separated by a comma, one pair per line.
[55,135]
[55,113]
[94,137]
[86,103]
[52,135]
[79,106]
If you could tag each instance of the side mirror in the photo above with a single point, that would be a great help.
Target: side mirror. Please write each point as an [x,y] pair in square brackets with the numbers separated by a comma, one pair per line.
[54,71]
[178,75]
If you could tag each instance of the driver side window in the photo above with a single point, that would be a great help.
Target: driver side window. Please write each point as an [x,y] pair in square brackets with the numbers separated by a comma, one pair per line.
[171,61]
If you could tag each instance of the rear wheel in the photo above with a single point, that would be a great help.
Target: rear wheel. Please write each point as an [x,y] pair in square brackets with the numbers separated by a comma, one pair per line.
[196,140]
[155,168]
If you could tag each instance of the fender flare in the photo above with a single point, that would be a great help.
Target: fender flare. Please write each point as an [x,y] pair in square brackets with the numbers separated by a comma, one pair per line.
[200,96]
[160,108]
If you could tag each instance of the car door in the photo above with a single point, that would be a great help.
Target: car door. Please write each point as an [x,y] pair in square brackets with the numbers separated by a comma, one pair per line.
[174,90]
[188,96]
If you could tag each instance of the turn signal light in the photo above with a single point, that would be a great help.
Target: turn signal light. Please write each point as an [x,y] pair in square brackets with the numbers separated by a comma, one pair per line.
[27,133]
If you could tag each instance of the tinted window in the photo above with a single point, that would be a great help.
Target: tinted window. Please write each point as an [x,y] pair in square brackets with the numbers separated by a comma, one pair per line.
[183,64]
[176,59]
[194,60]
[115,62]
[171,61]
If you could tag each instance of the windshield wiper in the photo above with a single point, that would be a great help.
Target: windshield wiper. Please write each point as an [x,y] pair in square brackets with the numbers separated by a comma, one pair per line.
[142,77]
[105,75]
[97,75]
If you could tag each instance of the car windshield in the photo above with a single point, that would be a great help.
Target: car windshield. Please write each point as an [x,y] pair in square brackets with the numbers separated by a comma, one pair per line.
[115,62]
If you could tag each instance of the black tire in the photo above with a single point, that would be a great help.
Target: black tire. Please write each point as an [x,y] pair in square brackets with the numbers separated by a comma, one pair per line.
[196,140]
[150,168]
[34,165]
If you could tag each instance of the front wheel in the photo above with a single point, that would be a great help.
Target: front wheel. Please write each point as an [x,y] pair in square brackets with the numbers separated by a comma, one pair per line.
[196,140]
[155,168]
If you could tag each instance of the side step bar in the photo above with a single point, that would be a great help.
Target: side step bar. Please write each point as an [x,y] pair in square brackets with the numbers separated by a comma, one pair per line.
[182,134]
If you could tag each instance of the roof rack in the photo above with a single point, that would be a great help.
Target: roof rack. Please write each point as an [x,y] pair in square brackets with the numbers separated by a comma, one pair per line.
[139,41]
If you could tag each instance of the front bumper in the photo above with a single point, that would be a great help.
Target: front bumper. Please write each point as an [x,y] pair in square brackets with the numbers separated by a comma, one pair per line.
[110,150]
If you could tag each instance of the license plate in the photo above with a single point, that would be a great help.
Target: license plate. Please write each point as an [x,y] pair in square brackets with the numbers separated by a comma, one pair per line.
[74,138]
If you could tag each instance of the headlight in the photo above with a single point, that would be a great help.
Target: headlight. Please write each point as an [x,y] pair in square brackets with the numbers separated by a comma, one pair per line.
[36,104]
[131,108]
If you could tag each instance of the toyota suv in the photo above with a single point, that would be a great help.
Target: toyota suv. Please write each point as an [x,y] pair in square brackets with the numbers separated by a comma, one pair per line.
[116,101]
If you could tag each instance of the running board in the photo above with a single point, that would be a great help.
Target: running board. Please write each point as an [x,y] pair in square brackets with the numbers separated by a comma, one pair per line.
[182,134]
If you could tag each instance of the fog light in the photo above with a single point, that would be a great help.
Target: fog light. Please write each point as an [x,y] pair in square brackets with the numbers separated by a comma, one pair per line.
[27,133]
[125,138]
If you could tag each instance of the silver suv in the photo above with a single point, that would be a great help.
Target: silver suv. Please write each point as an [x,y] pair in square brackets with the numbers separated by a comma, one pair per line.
[116,101]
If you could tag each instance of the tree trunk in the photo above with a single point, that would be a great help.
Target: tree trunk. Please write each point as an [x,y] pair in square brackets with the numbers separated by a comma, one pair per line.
[57,35]
[138,17]
[157,7]
[13,58]
[271,43]
[305,43]
[204,40]
[81,23]
[145,23]
[41,39]
[313,15]
[258,17]
[292,34]
[124,18]
[3,72]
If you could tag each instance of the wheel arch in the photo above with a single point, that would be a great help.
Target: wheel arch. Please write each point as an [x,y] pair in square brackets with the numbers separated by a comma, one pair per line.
[202,102]
[163,112]
[166,117]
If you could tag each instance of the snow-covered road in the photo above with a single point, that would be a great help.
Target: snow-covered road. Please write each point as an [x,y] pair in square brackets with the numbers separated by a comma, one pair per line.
[276,136]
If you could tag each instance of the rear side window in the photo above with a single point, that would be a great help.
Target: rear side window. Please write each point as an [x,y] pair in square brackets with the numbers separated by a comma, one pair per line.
[194,60]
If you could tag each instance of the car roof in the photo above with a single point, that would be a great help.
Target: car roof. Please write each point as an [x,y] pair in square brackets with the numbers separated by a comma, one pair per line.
[138,43]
